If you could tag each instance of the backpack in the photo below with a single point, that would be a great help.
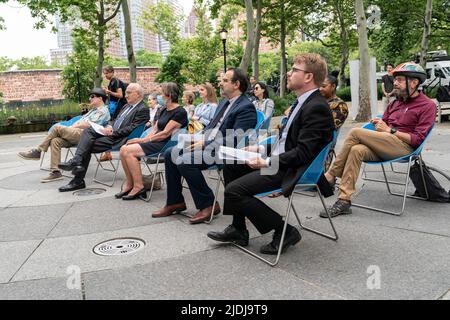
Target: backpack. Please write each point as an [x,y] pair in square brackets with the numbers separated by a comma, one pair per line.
[123,85]
[435,191]
[443,94]
[122,101]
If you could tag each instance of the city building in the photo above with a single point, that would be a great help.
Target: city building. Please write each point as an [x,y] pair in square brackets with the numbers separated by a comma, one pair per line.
[142,39]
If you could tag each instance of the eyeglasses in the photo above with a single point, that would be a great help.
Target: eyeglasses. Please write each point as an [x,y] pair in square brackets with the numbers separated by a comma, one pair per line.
[92,96]
[294,69]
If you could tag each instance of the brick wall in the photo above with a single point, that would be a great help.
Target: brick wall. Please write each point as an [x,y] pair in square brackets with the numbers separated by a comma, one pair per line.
[37,85]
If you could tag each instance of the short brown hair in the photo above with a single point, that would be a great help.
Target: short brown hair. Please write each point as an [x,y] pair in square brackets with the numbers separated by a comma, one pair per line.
[170,89]
[315,64]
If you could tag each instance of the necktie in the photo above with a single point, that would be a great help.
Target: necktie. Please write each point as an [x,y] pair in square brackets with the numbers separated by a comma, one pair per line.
[289,116]
[121,117]
[219,116]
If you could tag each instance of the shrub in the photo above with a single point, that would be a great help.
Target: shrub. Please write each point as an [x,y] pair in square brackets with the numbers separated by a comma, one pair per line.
[38,114]
[345,94]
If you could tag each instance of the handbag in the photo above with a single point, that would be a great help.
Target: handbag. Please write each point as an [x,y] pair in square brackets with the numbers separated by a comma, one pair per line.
[194,126]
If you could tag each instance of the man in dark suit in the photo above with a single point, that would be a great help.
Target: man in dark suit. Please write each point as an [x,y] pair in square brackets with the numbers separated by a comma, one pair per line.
[132,115]
[308,130]
[236,112]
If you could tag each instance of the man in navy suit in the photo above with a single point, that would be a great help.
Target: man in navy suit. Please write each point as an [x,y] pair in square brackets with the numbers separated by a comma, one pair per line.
[309,129]
[236,112]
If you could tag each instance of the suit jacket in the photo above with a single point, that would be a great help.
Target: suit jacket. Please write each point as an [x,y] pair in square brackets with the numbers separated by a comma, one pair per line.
[312,129]
[139,115]
[241,116]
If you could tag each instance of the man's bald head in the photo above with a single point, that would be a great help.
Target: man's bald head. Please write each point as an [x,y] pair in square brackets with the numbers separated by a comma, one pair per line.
[134,93]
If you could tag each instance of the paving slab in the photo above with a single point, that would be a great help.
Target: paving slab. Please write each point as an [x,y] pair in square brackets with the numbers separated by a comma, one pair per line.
[411,265]
[164,240]
[223,273]
[30,223]
[47,289]
[14,254]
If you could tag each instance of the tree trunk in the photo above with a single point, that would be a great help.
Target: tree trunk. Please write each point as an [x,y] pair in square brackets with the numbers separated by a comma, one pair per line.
[283,65]
[257,40]
[426,33]
[100,58]
[246,59]
[129,41]
[364,112]
[344,43]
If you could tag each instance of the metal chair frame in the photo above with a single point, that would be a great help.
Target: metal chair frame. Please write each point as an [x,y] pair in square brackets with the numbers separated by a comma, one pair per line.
[309,180]
[415,155]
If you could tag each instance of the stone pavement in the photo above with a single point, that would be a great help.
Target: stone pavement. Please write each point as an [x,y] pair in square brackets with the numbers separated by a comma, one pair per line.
[47,237]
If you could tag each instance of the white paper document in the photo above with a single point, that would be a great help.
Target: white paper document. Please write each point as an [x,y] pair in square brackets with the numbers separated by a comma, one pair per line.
[226,153]
[98,128]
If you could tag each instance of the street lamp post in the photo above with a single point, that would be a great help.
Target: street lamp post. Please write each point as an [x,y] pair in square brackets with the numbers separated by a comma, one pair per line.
[77,69]
[223,36]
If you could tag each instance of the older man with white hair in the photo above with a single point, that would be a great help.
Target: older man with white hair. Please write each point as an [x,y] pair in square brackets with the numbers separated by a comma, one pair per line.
[132,115]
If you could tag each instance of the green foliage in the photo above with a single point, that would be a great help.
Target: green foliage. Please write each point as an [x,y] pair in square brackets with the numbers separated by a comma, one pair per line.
[26,63]
[80,67]
[115,62]
[171,69]
[35,113]
[160,19]
[5,63]
[400,35]
[345,94]
[281,104]
[146,58]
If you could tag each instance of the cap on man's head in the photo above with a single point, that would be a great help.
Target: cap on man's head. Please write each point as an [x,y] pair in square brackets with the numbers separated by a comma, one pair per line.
[99,92]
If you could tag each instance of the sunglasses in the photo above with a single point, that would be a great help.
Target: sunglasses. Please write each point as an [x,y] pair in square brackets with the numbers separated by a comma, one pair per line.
[92,96]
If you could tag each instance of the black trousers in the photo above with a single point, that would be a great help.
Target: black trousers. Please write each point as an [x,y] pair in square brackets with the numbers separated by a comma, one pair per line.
[91,142]
[241,185]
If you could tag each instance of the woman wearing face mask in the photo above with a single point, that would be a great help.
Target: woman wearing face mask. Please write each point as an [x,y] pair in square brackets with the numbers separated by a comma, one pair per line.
[205,111]
[262,102]
[172,118]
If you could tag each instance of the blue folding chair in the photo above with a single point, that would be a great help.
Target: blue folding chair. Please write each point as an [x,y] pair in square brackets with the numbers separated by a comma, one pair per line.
[218,168]
[259,119]
[67,123]
[308,180]
[136,133]
[157,157]
[415,155]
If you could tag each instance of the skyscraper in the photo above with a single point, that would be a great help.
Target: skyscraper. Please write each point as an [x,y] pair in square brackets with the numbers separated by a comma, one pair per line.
[142,39]
[164,46]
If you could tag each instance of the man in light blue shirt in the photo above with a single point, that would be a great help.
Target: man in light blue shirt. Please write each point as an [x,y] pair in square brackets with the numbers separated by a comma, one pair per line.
[67,136]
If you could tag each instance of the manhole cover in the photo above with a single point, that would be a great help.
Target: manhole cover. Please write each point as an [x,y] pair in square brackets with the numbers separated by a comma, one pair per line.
[119,247]
[89,192]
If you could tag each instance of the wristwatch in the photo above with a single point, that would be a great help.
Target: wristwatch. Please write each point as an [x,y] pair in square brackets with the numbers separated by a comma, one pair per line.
[393,130]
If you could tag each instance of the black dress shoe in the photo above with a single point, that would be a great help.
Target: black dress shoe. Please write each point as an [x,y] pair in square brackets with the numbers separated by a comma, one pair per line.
[291,238]
[72,186]
[121,194]
[135,196]
[71,166]
[231,234]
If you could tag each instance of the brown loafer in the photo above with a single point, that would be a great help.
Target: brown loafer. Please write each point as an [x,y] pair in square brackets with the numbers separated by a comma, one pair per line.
[169,210]
[205,214]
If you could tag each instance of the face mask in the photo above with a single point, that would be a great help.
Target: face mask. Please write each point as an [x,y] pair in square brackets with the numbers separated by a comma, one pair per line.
[161,101]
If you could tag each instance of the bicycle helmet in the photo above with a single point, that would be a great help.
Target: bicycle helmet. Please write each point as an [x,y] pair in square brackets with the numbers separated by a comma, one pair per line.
[410,70]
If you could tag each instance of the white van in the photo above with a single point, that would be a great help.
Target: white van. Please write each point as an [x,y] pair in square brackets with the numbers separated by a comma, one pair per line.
[438,69]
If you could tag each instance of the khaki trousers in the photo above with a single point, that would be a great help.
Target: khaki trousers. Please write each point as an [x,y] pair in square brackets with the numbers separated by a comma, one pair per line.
[60,137]
[364,145]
